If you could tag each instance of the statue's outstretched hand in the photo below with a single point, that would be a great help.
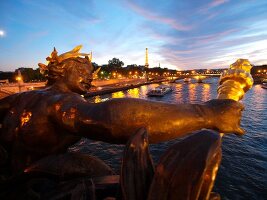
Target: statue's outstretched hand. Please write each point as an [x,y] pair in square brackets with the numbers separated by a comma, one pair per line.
[226,115]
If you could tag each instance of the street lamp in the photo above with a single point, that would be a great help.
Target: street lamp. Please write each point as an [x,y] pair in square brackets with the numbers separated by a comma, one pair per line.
[19,79]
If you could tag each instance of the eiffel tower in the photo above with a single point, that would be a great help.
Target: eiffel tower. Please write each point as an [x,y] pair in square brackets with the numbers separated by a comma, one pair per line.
[91,56]
[146,66]
[146,63]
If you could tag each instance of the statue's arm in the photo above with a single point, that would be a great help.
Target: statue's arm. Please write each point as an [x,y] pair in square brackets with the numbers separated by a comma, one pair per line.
[163,121]
[115,120]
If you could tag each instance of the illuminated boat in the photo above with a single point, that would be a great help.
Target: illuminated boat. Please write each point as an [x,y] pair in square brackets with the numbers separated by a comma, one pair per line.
[264,85]
[160,91]
[187,80]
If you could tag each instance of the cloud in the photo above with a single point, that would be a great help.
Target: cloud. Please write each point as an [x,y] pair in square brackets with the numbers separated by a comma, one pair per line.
[211,38]
[184,34]
[157,18]
[215,3]
[158,35]
[189,44]
[216,50]
[211,5]
[84,10]
[67,12]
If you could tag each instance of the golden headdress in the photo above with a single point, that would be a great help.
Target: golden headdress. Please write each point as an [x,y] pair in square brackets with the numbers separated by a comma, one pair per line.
[54,58]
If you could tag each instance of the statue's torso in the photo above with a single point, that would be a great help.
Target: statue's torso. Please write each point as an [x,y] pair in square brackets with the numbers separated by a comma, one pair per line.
[30,132]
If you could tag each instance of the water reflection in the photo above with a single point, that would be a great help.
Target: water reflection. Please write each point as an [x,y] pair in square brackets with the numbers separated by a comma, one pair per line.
[97,99]
[119,94]
[143,90]
[259,96]
[133,93]
[205,94]
[182,93]
[192,92]
[178,92]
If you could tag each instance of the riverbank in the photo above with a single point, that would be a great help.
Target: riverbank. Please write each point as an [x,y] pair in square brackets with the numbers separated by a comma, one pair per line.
[99,87]
[119,87]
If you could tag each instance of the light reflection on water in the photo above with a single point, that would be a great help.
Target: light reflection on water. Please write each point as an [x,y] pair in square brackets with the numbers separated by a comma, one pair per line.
[119,94]
[205,92]
[134,93]
[98,99]
[192,92]
[243,171]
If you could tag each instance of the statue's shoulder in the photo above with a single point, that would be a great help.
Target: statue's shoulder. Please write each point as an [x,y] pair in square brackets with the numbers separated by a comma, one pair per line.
[65,98]
[9,100]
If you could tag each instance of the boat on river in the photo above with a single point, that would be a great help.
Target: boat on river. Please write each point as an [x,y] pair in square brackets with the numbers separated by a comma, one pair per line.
[159,91]
[264,85]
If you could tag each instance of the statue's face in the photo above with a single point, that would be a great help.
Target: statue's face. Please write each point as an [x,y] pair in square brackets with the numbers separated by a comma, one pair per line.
[78,76]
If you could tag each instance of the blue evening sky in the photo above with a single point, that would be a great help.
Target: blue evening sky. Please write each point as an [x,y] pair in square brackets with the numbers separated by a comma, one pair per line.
[179,34]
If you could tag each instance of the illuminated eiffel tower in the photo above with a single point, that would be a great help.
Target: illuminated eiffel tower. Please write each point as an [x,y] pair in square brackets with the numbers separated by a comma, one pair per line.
[91,56]
[146,66]
[146,63]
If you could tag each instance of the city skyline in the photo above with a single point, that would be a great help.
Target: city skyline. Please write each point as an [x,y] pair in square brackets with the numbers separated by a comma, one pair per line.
[179,35]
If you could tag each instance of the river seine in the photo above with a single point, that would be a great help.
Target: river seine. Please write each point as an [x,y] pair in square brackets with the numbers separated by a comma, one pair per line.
[243,171]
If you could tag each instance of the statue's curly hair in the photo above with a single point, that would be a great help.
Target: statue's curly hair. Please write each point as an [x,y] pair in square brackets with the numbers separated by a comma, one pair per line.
[58,64]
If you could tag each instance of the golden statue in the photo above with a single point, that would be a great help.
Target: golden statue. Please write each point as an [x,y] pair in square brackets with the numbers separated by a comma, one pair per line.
[38,126]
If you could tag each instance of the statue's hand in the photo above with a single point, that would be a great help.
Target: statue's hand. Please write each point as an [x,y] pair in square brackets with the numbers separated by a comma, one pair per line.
[226,115]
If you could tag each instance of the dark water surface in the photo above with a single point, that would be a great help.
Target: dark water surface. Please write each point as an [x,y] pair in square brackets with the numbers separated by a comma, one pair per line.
[243,171]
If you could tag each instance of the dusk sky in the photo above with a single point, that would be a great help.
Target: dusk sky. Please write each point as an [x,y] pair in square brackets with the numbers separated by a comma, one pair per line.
[179,34]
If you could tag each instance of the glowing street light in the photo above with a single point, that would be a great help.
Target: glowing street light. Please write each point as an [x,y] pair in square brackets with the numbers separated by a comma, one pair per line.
[18,78]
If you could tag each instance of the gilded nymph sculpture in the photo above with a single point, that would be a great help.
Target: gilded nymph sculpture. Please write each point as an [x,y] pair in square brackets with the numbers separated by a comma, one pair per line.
[42,123]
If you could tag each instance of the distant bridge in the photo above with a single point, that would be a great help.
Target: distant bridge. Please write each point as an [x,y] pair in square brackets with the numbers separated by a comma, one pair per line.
[198,77]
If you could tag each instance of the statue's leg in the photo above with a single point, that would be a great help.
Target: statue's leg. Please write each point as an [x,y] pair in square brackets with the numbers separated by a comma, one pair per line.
[137,169]
[70,165]
[82,189]
[65,175]
[79,176]
[187,170]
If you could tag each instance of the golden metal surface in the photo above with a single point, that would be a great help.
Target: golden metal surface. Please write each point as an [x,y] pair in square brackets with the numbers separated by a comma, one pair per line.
[70,54]
[69,117]
[74,53]
[236,81]
[25,118]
